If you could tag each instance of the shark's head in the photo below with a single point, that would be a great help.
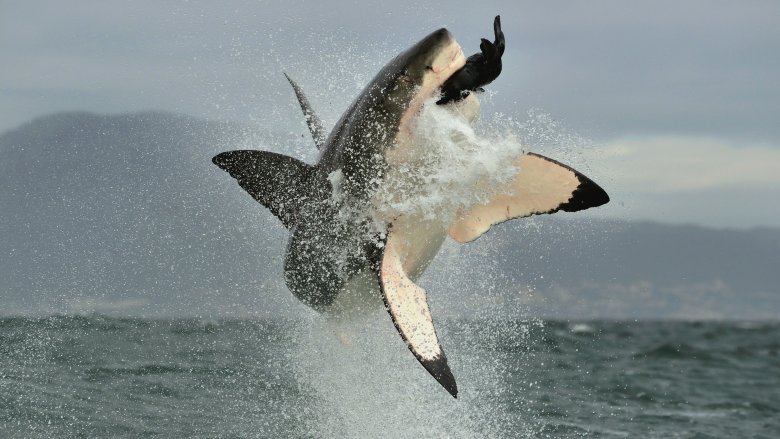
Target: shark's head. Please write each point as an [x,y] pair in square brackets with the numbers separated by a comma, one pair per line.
[420,72]
[390,102]
[378,128]
[427,64]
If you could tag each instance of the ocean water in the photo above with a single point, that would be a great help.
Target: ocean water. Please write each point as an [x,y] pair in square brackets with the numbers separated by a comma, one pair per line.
[96,376]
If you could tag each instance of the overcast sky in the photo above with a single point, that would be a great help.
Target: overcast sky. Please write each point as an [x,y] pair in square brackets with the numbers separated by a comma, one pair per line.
[681,99]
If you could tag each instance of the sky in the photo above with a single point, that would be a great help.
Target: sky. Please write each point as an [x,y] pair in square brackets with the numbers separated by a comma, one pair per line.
[675,104]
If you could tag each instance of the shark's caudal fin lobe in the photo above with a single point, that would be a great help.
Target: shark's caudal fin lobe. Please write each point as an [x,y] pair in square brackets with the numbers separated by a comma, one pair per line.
[542,186]
[276,181]
[312,121]
[408,306]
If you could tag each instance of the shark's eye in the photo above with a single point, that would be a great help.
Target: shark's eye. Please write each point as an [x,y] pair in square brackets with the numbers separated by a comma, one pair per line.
[428,67]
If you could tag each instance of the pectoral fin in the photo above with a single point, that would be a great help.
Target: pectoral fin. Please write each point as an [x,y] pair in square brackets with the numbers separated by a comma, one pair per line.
[408,307]
[542,185]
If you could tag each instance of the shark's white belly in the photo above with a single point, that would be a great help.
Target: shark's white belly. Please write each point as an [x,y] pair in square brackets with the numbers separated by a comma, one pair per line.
[419,243]
[419,228]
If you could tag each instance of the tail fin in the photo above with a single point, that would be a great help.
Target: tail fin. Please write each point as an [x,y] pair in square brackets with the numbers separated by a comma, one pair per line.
[276,181]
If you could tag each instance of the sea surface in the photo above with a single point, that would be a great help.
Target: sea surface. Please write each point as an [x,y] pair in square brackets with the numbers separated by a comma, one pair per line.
[96,376]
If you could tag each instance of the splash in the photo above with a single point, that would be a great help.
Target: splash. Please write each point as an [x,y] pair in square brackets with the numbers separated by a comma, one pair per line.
[449,166]
[362,382]
[361,378]
[357,376]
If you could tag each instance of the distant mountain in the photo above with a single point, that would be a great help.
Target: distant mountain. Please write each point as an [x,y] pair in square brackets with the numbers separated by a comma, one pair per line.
[126,214]
[577,268]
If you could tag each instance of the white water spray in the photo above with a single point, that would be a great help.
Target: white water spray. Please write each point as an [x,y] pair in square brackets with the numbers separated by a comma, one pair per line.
[448,167]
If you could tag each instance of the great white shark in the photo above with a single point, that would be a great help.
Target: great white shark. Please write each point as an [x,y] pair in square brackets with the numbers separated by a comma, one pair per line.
[338,229]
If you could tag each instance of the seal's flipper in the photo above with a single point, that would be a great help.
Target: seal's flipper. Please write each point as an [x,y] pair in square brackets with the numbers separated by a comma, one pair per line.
[408,307]
[542,185]
[500,41]
[276,181]
[312,121]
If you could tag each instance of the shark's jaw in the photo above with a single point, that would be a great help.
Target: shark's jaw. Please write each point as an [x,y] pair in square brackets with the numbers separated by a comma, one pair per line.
[447,60]
[421,238]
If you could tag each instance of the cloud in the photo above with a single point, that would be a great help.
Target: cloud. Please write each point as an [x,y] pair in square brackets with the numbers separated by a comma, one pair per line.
[610,68]
[689,78]
[663,164]
[688,179]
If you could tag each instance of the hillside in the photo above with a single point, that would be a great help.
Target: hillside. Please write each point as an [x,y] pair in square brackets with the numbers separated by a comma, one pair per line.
[126,214]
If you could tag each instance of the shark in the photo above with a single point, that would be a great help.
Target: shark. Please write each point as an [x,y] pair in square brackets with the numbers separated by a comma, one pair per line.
[339,234]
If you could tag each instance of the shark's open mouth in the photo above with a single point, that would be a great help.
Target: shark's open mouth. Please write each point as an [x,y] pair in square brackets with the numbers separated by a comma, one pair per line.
[453,77]
[449,61]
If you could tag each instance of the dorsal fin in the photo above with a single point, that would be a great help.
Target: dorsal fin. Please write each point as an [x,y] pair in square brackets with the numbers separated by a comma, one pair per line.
[276,181]
[312,121]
